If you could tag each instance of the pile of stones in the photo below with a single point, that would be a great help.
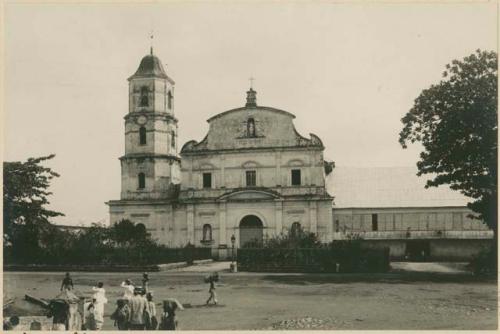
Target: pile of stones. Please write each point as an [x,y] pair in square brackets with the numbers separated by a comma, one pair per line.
[302,323]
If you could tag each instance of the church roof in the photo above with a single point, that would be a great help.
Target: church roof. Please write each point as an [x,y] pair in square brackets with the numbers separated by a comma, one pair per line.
[387,187]
[150,66]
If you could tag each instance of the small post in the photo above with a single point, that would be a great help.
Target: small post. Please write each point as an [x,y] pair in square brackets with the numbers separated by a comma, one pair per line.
[233,265]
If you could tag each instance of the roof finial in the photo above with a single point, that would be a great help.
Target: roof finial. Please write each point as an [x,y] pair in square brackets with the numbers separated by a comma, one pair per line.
[151,36]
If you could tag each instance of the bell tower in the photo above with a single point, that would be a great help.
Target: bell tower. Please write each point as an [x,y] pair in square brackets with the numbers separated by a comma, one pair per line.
[151,166]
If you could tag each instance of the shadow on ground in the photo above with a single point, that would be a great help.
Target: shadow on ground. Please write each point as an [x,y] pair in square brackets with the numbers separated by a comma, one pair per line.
[389,278]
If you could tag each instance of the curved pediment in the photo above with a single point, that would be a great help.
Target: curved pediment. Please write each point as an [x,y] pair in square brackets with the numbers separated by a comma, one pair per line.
[250,195]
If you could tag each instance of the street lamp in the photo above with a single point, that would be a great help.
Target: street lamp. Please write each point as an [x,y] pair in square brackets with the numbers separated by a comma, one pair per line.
[233,240]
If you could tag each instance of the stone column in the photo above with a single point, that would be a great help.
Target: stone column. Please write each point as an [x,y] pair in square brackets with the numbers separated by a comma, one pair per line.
[279,216]
[313,217]
[222,181]
[222,224]
[190,223]
[278,168]
[329,222]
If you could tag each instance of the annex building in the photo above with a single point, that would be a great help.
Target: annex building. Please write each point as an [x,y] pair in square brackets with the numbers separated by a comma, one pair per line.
[253,175]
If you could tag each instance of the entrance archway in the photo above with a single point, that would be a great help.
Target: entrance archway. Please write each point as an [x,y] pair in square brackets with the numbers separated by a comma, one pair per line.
[251,230]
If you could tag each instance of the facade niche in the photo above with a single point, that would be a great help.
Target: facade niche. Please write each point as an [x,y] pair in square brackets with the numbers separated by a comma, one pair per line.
[207,232]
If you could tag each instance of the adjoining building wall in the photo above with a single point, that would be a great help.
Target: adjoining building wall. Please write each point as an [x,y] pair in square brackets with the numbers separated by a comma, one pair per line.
[415,234]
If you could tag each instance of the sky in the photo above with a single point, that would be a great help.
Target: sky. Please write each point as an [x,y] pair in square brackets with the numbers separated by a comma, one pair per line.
[348,71]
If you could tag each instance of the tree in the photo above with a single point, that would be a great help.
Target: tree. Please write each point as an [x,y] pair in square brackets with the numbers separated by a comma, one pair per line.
[456,122]
[126,232]
[25,196]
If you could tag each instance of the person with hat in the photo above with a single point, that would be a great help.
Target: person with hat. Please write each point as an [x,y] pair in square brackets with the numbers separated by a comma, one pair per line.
[100,299]
[138,305]
[129,289]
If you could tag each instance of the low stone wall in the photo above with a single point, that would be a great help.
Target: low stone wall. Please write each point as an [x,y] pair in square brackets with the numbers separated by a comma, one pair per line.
[100,268]
[458,250]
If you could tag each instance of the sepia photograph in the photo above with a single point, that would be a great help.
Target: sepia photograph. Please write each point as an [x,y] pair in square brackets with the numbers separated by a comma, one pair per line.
[249,165]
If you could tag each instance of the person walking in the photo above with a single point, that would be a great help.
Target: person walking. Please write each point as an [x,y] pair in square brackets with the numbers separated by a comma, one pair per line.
[100,299]
[138,306]
[67,283]
[121,315]
[211,291]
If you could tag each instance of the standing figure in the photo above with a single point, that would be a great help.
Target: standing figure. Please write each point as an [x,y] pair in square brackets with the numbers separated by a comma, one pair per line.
[137,309]
[151,321]
[121,315]
[59,311]
[168,321]
[90,322]
[67,283]
[100,299]
[211,291]
[145,282]
[129,289]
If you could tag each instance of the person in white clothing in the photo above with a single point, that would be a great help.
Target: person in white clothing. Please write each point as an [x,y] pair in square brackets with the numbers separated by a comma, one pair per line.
[100,299]
[129,289]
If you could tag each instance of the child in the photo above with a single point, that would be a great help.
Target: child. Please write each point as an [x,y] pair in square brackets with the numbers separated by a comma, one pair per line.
[121,315]
[168,321]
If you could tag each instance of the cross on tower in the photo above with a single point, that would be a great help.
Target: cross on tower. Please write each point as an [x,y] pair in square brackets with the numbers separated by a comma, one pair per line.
[251,81]
[151,36]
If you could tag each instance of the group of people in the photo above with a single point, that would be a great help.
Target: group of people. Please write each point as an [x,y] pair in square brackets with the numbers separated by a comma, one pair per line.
[135,309]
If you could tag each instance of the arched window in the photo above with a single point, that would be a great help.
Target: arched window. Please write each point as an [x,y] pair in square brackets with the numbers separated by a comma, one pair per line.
[172,139]
[142,135]
[296,229]
[142,180]
[144,97]
[250,127]
[207,232]
[169,99]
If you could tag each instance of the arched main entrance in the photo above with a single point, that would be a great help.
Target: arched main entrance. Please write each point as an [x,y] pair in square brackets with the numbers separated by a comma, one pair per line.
[251,229]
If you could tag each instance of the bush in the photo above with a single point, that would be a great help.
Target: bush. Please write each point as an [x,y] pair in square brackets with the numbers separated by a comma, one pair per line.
[285,253]
[485,263]
[123,243]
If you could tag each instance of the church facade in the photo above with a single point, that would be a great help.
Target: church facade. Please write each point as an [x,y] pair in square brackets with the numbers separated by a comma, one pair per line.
[251,177]
[254,176]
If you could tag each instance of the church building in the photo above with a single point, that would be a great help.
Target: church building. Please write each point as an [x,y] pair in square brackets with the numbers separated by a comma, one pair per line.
[254,176]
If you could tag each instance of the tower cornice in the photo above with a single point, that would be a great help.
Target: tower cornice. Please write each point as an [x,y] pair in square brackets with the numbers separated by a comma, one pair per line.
[156,115]
[149,156]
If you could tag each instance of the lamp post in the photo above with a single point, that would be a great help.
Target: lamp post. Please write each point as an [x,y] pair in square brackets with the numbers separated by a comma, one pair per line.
[233,267]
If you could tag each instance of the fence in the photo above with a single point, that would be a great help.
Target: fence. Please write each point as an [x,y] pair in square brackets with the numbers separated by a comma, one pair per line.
[326,260]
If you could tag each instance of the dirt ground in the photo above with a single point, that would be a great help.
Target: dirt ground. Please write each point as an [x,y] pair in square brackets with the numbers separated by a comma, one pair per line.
[265,301]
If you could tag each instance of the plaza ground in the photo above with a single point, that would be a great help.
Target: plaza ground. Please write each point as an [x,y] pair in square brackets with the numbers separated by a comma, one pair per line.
[444,299]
